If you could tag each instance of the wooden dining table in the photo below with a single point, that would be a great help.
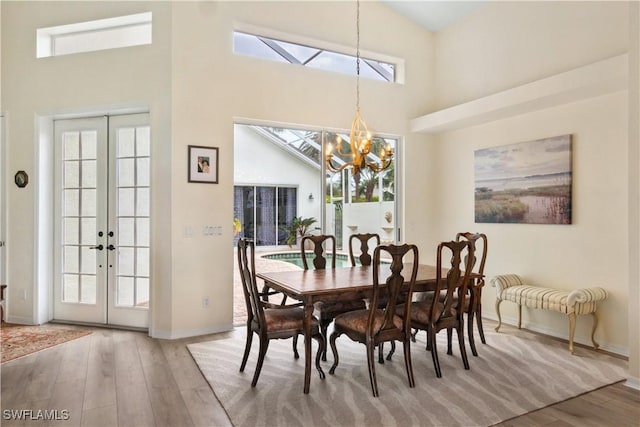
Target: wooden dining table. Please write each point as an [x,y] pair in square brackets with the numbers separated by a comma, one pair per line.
[347,283]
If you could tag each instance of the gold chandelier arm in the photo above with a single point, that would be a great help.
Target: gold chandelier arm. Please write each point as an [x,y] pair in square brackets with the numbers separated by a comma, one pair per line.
[332,168]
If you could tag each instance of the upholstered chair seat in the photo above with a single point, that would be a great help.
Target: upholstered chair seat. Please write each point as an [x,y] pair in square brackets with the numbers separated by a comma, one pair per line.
[358,320]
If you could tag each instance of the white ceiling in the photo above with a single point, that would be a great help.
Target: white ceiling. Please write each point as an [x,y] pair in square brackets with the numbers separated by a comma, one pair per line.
[434,15]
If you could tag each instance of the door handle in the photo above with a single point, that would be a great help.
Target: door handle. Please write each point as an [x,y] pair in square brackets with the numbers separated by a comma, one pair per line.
[99,247]
[111,247]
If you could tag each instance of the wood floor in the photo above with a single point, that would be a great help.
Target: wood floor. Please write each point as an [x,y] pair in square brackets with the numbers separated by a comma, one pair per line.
[124,378]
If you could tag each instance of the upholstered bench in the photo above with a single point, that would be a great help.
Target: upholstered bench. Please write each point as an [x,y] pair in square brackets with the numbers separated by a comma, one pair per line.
[511,287]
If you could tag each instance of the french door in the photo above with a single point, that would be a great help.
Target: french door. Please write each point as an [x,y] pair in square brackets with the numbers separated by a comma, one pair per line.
[102,206]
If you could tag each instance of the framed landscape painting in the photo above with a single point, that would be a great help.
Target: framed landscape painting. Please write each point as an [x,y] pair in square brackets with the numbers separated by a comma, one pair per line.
[525,183]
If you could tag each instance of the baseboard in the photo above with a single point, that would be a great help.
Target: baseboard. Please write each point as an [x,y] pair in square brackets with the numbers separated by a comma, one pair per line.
[173,335]
[632,382]
[19,320]
[605,346]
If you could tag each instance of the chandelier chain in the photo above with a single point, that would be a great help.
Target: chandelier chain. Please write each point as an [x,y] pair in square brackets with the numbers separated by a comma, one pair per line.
[358,55]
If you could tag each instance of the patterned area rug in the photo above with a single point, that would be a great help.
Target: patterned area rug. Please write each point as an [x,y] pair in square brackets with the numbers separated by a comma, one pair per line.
[511,376]
[19,340]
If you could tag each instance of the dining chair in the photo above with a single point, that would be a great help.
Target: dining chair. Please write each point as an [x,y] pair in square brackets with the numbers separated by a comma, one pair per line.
[374,326]
[324,246]
[473,304]
[434,314]
[365,259]
[268,320]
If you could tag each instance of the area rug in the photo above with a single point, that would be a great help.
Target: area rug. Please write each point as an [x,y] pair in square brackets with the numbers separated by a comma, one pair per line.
[511,376]
[19,340]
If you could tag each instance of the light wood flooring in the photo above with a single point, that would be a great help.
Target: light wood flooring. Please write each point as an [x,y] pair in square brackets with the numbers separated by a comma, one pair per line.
[124,378]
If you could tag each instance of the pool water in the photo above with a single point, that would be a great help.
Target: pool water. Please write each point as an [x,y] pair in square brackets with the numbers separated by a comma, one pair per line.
[295,258]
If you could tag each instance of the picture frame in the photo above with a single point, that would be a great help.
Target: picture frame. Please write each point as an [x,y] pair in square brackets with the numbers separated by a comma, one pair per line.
[203,164]
[525,183]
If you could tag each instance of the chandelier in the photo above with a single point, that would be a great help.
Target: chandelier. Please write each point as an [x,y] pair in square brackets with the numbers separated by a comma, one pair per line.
[359,137]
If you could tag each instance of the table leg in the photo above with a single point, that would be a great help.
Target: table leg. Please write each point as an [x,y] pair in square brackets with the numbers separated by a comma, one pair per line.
[308,313]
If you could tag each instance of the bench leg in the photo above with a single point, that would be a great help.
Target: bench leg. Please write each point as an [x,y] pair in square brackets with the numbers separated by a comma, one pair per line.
[593,331]
[519,316]
[498,301]
[572,330]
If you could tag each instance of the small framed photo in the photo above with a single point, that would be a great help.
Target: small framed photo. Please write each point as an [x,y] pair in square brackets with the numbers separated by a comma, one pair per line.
[203,164]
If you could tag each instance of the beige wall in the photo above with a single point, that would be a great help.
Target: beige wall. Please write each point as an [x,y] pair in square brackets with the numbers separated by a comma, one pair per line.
[508,43]
[522,42]
[194,87]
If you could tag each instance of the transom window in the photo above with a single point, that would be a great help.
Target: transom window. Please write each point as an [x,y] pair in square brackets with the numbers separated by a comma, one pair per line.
[314,57]
[110,33]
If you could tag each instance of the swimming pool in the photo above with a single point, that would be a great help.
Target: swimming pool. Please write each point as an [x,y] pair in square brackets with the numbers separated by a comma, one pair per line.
[342,260]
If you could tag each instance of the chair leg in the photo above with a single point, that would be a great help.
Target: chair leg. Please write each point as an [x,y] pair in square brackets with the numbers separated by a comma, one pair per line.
[381,353]
[478,316]
[434,352]
[295,347]
[407,362]
[247,348]
[463,350]
[393,350]
[334,349]
[321,348]
[472,342]
[449,334]
[264,345]
[372,367]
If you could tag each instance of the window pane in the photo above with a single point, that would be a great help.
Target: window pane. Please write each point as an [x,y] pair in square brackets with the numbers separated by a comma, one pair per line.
[88,290]
[126,201]
[71,141]
[89,144]
[71,261]
[71,174]
[265,216]
[89,231]
[143,141]
[142,204]
[142,231]
[126,173]
[88,260]
[125,261]
[142,262]
[143,172]
[142,292]
[71,231]
[71,202]
[70,288]
[126,231]
[125,291]
[126,142]
[89,174]
[246,44]
[89,203]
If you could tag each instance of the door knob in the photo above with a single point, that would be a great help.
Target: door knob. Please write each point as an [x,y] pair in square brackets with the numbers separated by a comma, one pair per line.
[111,247]
[99,247]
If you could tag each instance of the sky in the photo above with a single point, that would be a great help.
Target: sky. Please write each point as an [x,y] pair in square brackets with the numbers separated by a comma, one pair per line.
[539,157]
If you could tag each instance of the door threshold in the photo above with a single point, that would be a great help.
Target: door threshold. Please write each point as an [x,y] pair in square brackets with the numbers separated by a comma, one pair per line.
[99,325]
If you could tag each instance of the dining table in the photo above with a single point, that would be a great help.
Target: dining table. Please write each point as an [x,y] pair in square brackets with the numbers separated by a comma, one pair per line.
[334,284]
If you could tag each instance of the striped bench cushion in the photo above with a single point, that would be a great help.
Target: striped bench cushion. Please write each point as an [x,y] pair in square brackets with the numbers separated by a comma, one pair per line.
[510,287]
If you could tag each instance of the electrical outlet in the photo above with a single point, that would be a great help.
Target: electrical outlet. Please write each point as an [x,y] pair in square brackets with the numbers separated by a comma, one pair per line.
[205,302]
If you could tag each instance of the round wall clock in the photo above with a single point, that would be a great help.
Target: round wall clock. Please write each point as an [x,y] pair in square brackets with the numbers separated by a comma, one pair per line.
[21,179]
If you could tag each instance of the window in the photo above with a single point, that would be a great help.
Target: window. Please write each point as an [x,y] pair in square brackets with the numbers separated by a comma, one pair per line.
[265,211]
[314,57]
[122,31]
